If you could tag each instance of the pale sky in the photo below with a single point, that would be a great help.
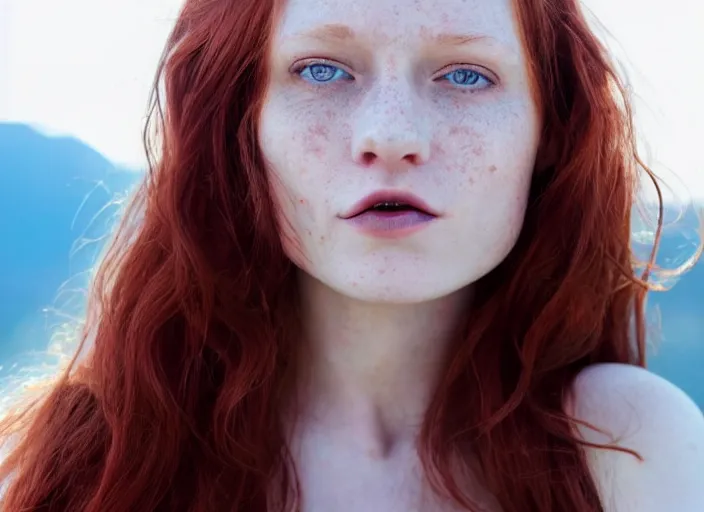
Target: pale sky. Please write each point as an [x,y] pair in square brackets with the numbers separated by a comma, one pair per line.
[84,68]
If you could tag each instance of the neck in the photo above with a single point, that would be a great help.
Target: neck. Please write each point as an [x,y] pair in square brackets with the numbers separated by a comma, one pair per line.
[368,368]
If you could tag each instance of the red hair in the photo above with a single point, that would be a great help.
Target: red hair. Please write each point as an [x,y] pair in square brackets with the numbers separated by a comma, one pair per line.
[192,322]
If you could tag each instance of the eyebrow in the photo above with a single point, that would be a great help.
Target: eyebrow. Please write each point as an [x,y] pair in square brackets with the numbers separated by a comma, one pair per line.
[342,33]
[333,32]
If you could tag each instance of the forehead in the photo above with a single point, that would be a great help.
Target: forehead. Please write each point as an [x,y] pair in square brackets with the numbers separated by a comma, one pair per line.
[401,21]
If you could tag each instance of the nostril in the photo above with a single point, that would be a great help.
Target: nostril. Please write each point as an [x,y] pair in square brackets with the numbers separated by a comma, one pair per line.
[368,157]
[411,158]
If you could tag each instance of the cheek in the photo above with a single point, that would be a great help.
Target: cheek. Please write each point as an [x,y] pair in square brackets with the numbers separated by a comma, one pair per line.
[465,155]
[294,211]
[315,141]
[298,146]
[293,230]
[496,153]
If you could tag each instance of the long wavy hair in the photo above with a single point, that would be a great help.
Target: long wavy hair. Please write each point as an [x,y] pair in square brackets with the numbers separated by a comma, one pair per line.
[175,403]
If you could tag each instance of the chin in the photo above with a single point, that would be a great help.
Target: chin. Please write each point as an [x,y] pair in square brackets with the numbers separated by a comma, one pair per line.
[395,287]
[395,276]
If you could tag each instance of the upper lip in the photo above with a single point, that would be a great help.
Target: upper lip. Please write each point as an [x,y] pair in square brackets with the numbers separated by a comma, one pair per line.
[389,196]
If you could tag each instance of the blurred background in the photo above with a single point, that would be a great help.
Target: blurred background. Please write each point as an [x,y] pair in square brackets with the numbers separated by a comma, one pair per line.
[74,81]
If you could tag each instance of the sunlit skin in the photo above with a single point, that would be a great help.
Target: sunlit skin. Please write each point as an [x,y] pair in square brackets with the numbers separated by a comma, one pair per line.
[432,99]
[377,96]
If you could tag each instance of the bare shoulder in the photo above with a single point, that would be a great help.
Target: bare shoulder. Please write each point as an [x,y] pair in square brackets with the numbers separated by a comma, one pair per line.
[643,412]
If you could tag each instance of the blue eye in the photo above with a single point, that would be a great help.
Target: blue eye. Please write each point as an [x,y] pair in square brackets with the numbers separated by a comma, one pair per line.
[465,78]
[319,73]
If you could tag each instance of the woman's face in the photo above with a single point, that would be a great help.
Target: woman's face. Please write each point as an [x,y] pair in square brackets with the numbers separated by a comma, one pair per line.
[422,111]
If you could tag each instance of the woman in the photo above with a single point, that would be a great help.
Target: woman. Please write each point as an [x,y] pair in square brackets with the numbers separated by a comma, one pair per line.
[381,263]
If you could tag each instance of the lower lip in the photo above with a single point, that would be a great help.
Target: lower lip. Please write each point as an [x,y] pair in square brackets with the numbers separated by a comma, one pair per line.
[391,224]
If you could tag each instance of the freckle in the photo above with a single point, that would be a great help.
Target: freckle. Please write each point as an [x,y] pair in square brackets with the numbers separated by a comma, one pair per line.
[322,238]
[470,180]
[436,149]
[492,168]
[461,169]
[320,130]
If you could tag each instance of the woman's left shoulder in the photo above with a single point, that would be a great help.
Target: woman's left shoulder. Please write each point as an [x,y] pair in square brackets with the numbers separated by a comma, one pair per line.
[643,412]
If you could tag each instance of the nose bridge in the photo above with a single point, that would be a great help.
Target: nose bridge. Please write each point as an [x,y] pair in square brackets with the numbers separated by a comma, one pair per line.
[390,126]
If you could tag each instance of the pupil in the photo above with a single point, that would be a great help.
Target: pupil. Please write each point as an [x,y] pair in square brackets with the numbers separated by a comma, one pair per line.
[321,72]
[466,77]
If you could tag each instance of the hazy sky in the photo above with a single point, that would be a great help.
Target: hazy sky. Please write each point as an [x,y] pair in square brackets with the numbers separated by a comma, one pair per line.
[84,68]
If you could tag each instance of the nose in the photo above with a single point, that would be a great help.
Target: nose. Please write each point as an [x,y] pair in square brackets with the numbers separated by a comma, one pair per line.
[391,132]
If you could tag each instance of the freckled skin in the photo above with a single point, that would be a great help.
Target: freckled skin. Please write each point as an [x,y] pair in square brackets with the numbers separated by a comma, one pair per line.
[468,153]
[393,122]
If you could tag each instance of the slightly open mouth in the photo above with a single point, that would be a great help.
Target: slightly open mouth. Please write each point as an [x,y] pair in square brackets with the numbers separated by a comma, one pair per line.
[390,203]
[391,207]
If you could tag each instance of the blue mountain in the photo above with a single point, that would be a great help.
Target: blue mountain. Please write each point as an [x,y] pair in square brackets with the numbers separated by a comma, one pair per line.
[53,191]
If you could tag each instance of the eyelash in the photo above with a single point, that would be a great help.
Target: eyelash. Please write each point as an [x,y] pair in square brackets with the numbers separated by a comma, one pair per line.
[301,67]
